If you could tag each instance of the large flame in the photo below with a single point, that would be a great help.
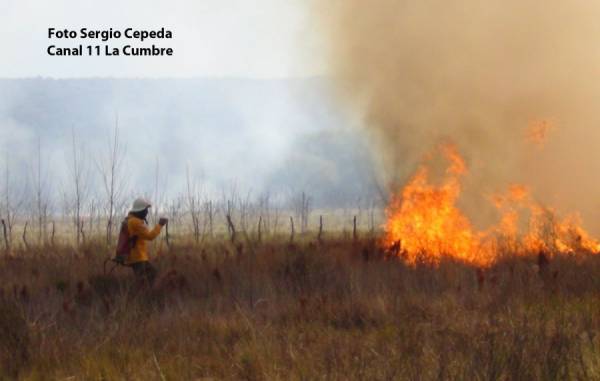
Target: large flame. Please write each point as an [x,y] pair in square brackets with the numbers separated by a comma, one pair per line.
[424,222]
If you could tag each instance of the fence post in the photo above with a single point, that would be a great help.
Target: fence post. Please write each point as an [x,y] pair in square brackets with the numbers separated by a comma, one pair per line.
[52,236]
[6,243]
[25,235]
[320,235]
[259,228]
[231,228]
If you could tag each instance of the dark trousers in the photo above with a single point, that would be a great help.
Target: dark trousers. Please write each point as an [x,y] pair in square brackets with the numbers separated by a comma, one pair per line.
[144,272]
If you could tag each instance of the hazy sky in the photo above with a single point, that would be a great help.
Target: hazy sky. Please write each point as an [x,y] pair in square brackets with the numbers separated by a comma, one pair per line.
[264,93]
[241,38]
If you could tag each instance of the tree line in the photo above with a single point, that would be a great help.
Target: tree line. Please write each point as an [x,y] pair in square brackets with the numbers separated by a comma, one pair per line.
[96,194]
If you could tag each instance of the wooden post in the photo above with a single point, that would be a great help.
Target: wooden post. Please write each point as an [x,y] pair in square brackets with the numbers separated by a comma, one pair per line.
[82,231]
[6,242]
[210,212]
[372,229]
[25,235]
[167,238]
[231,228]
[292,227]
[52,236]
[320,235]
[259,228]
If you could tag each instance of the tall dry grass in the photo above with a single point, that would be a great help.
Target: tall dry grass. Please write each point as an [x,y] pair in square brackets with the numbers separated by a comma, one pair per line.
[337,310]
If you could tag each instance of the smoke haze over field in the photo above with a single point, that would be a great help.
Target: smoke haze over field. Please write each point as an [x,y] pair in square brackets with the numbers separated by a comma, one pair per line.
[477,74]
[281,136]
[415,73]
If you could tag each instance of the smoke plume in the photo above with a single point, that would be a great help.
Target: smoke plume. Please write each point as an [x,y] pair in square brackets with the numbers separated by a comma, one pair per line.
[514,84]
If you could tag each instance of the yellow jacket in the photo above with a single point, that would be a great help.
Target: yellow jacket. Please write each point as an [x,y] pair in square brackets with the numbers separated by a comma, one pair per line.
[137,227]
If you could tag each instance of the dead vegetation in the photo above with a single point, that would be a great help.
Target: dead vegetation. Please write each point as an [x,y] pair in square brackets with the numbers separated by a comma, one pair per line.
[303,310]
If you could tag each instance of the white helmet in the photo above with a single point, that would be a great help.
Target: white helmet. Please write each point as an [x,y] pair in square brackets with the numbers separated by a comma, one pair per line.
[140,204]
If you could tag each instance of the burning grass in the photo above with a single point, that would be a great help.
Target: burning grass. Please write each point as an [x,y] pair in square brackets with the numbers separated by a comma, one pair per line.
[425,223]
[433,298]
[336,310]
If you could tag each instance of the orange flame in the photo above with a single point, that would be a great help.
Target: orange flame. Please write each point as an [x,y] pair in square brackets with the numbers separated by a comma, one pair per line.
[424,223]
[424,220]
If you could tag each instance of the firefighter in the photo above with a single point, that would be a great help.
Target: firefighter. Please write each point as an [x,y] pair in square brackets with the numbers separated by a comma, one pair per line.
[138,229]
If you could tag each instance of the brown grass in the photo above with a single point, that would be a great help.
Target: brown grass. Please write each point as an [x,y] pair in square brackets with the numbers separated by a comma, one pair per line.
[337,310]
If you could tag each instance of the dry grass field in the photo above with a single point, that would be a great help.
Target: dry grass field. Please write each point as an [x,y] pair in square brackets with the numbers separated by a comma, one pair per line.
[278,311]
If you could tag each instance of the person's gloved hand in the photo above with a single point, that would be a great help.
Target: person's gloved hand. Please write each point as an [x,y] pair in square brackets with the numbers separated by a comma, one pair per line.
[163,221]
